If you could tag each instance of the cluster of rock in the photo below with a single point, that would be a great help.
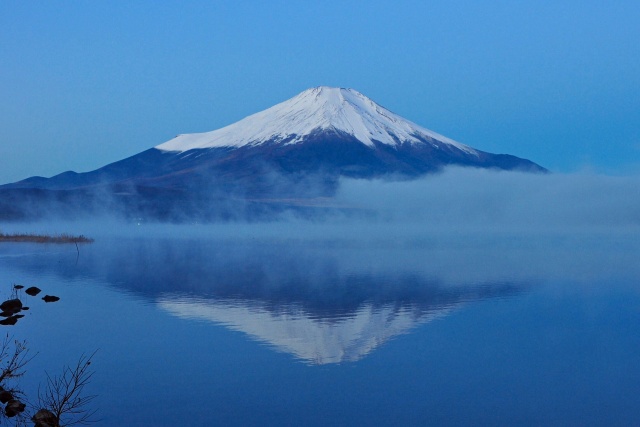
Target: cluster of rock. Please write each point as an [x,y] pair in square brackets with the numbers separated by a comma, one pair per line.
[13,406]
[11,308]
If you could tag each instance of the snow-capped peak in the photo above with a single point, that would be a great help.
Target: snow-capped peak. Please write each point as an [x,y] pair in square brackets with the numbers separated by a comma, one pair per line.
[321,108]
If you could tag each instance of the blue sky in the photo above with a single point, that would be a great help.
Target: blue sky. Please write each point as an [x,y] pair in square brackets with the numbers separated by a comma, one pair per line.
[86,83]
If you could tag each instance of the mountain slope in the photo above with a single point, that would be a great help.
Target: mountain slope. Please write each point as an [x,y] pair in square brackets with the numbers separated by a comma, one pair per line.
[299,148]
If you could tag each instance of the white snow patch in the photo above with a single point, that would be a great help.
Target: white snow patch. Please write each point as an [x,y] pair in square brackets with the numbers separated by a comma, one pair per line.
[317,109]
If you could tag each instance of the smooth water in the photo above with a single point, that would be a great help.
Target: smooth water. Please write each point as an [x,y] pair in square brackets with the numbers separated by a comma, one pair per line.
[467,329]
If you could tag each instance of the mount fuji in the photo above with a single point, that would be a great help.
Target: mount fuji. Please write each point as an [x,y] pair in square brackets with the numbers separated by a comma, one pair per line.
[288,155]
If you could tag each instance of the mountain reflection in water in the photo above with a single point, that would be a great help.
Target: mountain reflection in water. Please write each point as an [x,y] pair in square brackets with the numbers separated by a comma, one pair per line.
[306,299]
[326,335]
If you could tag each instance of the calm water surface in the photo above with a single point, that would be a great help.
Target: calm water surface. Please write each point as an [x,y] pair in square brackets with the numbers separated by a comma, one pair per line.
[441,330]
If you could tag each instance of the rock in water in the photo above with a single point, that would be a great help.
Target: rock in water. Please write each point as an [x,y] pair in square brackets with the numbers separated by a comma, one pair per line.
[33,291]
[9,321]
[44,418]
[5,396]
[11,306]
[13,408]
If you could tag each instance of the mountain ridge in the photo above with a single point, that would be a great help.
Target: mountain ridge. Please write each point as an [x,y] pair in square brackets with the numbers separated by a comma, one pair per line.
[298,149]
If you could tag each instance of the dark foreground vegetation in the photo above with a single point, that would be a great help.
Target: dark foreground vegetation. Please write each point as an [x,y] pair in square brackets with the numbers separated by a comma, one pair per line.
[61,400]
[43,238]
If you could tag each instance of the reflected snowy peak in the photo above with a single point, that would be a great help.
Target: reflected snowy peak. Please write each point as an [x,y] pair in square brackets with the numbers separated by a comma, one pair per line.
[329,336]
[314,340]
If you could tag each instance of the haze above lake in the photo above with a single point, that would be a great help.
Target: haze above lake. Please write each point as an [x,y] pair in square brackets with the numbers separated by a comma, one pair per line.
[233,325]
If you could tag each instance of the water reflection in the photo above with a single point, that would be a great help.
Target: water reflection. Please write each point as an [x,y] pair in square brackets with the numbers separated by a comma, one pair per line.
[307,299]
[327,336]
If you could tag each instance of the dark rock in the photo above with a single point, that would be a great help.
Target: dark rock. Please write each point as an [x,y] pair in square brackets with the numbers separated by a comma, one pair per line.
[5,396]
[25,308]
[44,418]
[9,321]
[50,298]
[6,314]
[11,306]
[13,408]
[33,291]
[18,286]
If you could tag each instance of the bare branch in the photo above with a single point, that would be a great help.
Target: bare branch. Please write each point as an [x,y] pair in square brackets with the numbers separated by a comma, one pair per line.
[64,395]
[12,365]
[13,358]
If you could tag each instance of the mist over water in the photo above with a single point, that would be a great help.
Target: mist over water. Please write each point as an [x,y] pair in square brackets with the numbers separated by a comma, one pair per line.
[500,200]
[519,287]
[462,225]
[455,199]
[568,225]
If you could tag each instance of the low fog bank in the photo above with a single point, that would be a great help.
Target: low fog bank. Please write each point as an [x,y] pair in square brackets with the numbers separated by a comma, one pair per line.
[459,200]
[496,200]
[516,222]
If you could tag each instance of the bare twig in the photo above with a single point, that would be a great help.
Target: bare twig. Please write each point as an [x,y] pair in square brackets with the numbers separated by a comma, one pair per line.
[64,397]
[17,358]
[13,359]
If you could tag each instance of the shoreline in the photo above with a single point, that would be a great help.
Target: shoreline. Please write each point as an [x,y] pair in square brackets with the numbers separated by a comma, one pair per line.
[43,238]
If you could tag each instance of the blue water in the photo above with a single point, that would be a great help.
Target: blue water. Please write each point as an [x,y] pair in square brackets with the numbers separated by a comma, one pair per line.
[441,330]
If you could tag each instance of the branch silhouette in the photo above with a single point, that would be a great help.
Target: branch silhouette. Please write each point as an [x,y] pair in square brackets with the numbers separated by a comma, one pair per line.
[62,400]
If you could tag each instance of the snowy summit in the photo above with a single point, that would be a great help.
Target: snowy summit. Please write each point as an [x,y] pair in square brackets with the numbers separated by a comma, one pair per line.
[318,109]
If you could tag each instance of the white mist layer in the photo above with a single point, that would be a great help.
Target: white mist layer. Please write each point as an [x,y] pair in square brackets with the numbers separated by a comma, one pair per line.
[476,199]
[457,200]
[317,109]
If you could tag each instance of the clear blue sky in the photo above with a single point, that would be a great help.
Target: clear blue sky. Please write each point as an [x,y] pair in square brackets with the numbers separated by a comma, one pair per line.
[86,83]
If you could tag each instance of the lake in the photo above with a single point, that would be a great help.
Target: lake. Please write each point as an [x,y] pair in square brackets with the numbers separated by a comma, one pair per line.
[212,326]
